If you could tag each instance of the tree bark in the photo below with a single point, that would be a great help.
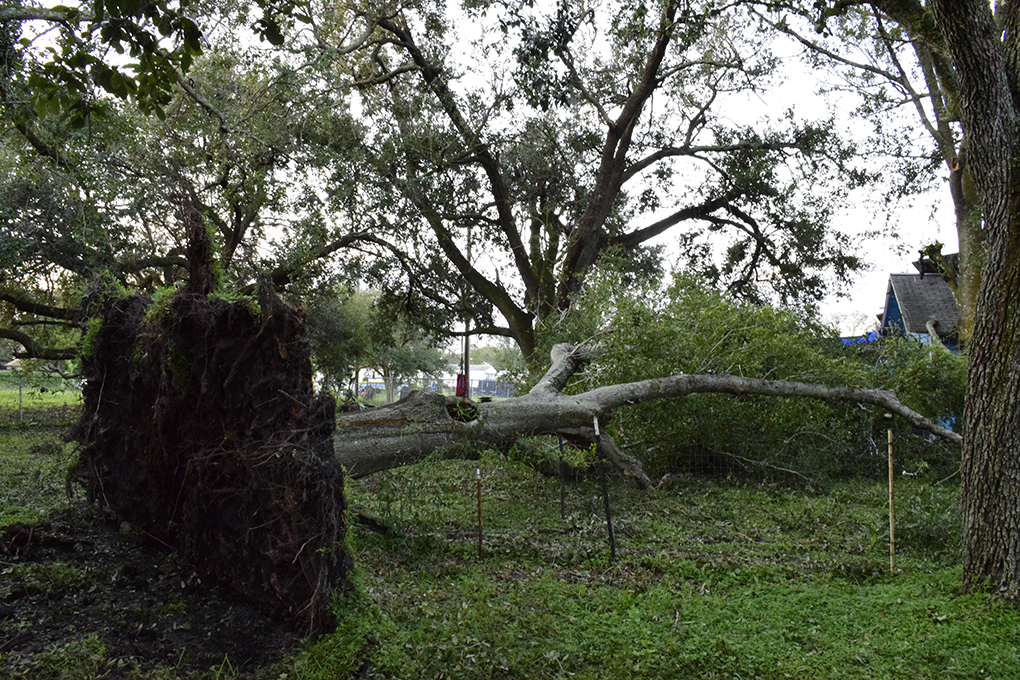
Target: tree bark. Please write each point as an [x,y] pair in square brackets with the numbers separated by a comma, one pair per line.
[414,428]
[985,56]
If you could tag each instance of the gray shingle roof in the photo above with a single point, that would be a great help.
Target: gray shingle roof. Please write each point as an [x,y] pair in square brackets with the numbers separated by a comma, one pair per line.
[922,298]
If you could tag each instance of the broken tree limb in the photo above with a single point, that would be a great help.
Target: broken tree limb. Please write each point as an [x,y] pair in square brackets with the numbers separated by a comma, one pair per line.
[412,429]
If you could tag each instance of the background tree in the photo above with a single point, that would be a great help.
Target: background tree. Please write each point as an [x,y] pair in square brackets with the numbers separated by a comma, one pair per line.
[107,200]
[354,330]
[966,58]
[510,169]
[400,351]
[340,331]
[892,56]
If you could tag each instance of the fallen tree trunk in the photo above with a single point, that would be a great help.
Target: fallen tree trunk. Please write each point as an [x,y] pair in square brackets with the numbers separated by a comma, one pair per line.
[408,431]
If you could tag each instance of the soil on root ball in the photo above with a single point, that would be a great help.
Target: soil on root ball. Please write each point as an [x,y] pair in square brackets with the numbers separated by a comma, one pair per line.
[201,428]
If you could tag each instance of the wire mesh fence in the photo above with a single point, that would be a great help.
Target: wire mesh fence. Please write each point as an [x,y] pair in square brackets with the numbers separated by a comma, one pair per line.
[36,412]
[33,400]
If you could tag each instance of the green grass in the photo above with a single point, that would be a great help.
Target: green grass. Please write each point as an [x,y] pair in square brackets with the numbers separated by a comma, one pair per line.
[712,580]
[32,401]
[33,473]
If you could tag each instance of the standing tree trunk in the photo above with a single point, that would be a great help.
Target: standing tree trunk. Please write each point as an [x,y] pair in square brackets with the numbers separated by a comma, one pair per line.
[986,55]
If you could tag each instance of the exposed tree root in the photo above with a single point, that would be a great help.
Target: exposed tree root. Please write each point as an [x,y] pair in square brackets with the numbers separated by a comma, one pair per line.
[201,429]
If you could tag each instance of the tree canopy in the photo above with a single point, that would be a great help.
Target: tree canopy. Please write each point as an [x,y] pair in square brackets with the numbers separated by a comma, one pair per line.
[473,164]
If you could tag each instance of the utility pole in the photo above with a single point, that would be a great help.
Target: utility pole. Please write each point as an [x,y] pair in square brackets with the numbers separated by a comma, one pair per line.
[467,360]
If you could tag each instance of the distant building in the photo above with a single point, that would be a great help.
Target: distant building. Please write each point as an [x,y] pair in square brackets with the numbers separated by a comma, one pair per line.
[921,306]
[484,382]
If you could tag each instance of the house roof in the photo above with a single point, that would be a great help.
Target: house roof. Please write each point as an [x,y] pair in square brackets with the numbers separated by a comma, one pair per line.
[922,297]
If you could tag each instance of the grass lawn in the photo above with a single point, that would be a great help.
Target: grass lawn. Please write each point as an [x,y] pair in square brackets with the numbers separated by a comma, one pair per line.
[713,579]
[33,473]
[33,400]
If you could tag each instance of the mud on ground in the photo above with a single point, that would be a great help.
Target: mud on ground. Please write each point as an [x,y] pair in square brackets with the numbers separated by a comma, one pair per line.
[78,576]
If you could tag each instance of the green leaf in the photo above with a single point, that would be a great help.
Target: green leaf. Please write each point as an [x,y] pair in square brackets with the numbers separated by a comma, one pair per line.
[269,30]
[41,107]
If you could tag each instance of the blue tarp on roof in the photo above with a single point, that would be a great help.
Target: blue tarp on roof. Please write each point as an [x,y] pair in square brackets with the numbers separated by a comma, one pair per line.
[871,336]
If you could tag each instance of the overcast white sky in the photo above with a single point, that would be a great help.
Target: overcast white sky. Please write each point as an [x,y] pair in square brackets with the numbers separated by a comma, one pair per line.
[923,220]
[926,218]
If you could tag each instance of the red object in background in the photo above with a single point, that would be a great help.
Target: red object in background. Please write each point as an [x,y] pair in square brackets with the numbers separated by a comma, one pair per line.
[461,385]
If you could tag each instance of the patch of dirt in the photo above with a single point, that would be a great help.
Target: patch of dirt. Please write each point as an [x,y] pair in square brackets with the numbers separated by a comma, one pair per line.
[77,576]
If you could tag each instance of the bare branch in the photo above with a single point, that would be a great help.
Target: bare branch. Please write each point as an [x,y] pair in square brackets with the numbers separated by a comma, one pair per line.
[702,211]
[615,396]
[11,13]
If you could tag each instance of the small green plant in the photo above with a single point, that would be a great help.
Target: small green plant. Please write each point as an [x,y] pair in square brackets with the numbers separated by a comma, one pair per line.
[85,659]
[43,577]
[160,307]
[174,608]
[409,499]
[224,670]
[88,339]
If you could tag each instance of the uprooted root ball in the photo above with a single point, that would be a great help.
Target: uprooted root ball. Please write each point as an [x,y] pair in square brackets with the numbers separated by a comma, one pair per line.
[200,428]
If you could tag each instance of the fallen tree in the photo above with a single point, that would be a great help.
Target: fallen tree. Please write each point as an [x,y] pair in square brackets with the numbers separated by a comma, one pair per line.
[200,427]
[414,428]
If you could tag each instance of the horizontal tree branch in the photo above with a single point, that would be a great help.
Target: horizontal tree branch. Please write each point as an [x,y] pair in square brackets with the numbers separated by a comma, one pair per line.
[27,305]
[34,350]
[44,14]
[426,423]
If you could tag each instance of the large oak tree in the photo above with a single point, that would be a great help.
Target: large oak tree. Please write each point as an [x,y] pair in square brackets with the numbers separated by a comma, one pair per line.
[517,145]
[986,54]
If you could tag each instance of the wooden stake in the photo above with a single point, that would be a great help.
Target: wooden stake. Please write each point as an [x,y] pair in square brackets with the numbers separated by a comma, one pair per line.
[892,513]
[478,478]
[563,488]
[605,494]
